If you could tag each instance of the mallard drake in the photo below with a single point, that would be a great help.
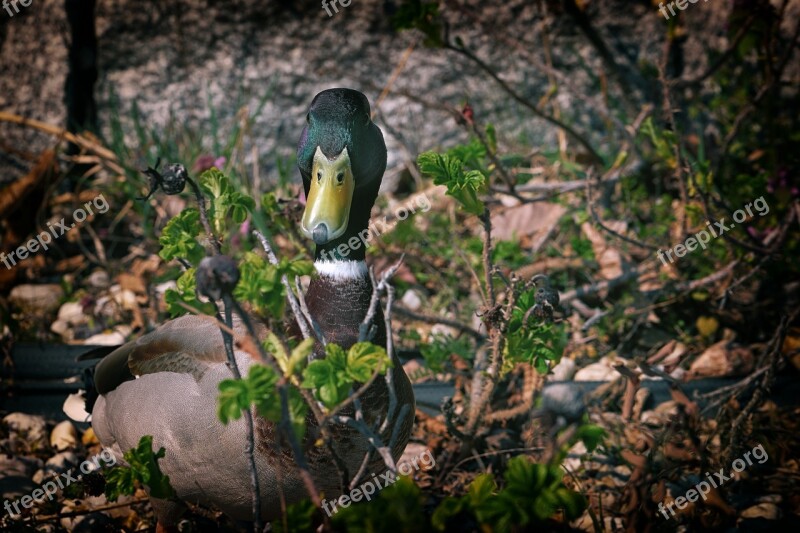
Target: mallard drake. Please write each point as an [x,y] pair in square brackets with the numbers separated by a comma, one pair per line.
[165,383]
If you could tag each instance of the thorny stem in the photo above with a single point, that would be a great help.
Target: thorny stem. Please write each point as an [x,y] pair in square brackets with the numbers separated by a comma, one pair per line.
[290,295]
[487,257]
[227,340]
[285,423]
[201,204]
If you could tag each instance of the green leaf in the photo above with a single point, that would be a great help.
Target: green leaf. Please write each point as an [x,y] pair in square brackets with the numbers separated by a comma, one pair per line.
[591,435]
[233,396]
[143,469]
[299,355]
[447,170]
[329,388]
[186,293]
[363,359]
[272,345]
[179,237]
[332,378]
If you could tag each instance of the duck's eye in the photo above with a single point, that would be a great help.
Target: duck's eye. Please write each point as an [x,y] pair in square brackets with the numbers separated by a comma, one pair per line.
[308,118]
[319,175]
[366,119]
[340,178]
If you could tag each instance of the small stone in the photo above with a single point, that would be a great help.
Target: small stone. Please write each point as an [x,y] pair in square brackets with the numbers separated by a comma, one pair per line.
[412,300]
[106,339]
[441,329]
[564,370]
[17,466]
[63,436]
[99,279]
[36,299]
[59,327]
[602,370]
[72,313]
[125,298]
[30,428]
[61,462]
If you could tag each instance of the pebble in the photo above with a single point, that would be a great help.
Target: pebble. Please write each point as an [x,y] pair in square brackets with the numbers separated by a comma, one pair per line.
[72,313]
[99,279]
[61,462]
[63,436]
[412,300]
[602,370]
[113,338]
[30,428]
[564,370]
[36,299]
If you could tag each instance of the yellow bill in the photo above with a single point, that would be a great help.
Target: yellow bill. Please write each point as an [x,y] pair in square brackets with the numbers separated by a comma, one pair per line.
[329,197]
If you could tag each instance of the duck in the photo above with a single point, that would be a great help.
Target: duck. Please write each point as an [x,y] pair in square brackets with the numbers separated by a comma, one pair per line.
[165,383]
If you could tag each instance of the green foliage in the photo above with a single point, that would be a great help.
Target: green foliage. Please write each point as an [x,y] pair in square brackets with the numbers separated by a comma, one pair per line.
[289,363]
[532,494]
[224,200]
[179,237]
[143,470]
[448,170]
[510,254]
[582,247]
[259,389]
[399,504]
[437,352]
[185,292]
[333,377]
[298,518]
[535,343]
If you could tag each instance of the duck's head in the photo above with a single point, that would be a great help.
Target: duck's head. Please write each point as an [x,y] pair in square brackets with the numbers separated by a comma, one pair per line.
[342,158]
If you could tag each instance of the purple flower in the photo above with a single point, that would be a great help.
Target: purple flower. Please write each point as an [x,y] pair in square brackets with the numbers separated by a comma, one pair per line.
[206,161]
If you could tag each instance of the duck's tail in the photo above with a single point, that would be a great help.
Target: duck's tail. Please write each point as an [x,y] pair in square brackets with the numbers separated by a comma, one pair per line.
[78,406]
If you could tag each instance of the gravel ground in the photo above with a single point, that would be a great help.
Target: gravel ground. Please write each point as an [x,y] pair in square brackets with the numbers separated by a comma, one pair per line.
[179,59]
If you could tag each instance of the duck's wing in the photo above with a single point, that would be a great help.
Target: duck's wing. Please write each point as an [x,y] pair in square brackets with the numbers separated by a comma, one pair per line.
[189,344]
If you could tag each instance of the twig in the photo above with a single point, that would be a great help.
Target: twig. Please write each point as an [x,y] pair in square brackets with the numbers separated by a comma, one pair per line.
[487,258]
[59,516]
[432,319]
[599,222]
[525,102]
[201,203]
[773,354]
[727,54]
[295,305]
[366,329]
[227,340]
[306,313]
